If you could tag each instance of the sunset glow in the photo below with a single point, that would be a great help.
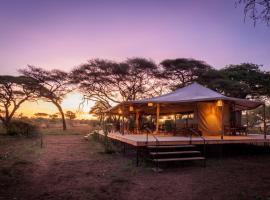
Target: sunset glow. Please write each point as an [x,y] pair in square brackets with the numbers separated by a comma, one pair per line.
[72,102]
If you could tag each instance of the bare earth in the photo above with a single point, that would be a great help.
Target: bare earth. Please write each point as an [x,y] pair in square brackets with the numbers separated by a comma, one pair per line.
[69,167]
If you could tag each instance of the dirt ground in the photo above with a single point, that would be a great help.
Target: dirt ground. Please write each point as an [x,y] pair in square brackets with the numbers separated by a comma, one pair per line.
[69,167]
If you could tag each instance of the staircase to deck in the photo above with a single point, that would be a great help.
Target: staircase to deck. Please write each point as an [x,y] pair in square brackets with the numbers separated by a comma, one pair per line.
[174,153]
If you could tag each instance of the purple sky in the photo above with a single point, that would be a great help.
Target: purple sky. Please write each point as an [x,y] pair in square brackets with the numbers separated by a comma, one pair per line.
[62,34]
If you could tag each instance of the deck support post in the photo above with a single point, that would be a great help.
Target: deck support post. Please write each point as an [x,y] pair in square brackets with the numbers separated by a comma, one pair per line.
[124,148]
[264,121]
[137,156]
[157,115]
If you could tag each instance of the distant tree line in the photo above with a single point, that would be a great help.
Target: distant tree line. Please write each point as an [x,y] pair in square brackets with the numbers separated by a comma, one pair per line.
[108,82]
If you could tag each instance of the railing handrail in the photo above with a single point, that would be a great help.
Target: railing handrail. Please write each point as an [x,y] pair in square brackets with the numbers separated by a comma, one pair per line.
[198,134]
[148,130]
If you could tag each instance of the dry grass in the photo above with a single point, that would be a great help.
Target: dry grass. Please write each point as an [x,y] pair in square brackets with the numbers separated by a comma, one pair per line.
[76,130]
[69,167]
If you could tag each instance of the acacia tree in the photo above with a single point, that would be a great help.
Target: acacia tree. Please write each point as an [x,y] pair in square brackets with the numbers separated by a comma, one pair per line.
[51,85]
[53,116]
[41,115]
[181,72]
[243,80]
[112,82]
[71,115]
[98,109]
[14,91]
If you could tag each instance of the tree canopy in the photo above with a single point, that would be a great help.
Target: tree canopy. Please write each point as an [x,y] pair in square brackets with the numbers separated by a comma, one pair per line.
[181,72]
[70,115]
[243,80]
[113,82]
[14,91]
[50,85]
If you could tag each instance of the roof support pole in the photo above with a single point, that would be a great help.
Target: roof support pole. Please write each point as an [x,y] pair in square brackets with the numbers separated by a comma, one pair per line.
[247,120]
[137,121]
[123,121]
[264,121]
[174,123]
[222,123]
[157,116]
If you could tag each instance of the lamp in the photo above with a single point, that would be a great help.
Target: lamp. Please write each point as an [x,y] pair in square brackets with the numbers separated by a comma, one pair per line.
[119,111]
[131,108]
[219,103]
[150,104]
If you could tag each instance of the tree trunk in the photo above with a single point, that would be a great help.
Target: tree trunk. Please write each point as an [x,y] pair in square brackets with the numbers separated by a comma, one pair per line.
[62,115]
[5,123]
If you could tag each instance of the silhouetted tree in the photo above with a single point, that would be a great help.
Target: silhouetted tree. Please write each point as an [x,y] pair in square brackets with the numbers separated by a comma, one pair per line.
[53,116]
[41,115]
[243,80]
[70,115]
[51,85]
[14,91]
[256,10]
[181,72]
[112,82]
[99,109]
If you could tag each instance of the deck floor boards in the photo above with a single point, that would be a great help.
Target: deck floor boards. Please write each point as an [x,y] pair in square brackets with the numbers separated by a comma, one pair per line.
[141,139]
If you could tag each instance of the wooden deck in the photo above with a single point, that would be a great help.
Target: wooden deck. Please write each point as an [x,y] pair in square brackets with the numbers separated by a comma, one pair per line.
[141,139]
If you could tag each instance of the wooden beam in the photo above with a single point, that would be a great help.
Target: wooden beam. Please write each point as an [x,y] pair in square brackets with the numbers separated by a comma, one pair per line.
[157,117]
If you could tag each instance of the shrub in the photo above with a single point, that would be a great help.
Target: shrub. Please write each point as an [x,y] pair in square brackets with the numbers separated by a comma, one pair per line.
[21,128]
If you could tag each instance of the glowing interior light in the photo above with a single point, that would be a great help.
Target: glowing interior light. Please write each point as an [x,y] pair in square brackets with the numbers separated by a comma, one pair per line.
[219,103]
[131,108]
[150,104]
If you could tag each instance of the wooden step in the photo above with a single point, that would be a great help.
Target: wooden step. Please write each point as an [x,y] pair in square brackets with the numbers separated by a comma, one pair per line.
[178,159]
[174,152]
[169,146]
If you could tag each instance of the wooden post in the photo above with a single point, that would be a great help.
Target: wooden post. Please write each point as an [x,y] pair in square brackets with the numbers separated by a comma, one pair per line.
[137,121]
[123,124]
[137,156]
[222,123]
[174,123]
[264,121]
[247,120]
[123,121]
[157,115]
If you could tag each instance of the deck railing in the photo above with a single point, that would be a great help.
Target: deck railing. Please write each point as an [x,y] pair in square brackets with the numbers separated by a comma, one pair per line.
[193,131]
[148,130]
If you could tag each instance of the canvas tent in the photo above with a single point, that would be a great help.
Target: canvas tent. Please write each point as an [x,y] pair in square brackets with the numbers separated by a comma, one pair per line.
[212,110]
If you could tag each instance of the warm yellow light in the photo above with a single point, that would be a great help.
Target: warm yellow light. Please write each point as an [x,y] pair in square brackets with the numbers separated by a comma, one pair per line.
[119,111]
[219,103]
[131,108]
[150,104]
